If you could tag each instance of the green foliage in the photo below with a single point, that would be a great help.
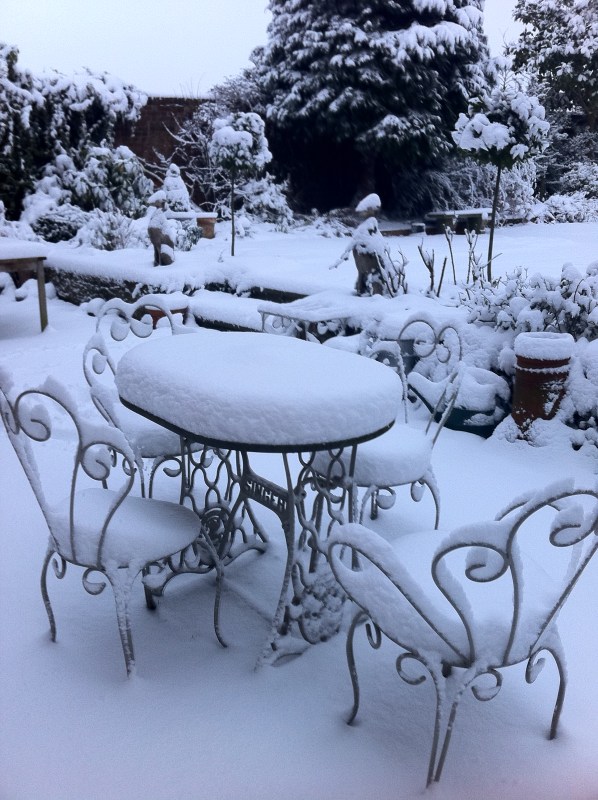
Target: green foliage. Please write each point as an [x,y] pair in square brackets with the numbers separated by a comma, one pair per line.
[559,44]
[239,145]
[503,126]
[42,117]
[354,90]
[60,224]
[520,303]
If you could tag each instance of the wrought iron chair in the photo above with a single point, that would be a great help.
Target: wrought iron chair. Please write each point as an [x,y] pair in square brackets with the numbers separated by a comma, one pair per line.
[403,455]
[96,523]
[464,606]
[116,322]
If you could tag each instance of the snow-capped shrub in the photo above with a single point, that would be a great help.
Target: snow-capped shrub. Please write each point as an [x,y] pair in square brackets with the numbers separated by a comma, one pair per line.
[43,115]
[15,229]
[266,200]
[504,127]
[188,235]
[239,146]
[582,177]
[108,230]
[59,224]
[109,180]
[576,207]
[177,195]
[520,303]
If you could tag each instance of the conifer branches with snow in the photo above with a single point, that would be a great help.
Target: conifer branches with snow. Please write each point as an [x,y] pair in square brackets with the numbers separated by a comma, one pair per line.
[384,80]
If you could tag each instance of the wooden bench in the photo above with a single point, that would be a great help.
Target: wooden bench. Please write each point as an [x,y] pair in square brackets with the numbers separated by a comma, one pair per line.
[28,264]
[470,219]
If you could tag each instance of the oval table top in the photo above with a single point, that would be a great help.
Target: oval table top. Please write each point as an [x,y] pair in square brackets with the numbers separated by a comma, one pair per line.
[257,391]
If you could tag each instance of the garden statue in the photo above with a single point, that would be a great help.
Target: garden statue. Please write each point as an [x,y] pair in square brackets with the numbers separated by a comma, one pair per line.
[161,231]
[176,194]
[376,271]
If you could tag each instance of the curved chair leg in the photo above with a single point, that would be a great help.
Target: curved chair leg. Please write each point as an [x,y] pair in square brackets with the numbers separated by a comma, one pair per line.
[438,718]
[150,598]
[122,592]
[447,735]
[560,698]
[357,620]
[374,505]
[533,669]
[219,579]
[429,480]
[44,589]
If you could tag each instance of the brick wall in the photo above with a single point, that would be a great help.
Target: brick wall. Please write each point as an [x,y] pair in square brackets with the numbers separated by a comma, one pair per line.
[150,133]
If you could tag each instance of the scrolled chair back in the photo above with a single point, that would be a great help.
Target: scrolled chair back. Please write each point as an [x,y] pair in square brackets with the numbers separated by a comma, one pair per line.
[116,322]
[119,326]
[437,345]
[427,356]
[483,598]
[518,570]
[69,462]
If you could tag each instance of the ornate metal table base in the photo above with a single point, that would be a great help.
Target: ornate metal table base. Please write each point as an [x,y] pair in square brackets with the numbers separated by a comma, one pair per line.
[220,487]
[311,601]
[208,480]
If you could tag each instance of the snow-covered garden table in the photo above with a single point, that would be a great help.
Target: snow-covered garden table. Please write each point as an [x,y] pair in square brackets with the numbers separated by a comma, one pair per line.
[248,392]
[23,257]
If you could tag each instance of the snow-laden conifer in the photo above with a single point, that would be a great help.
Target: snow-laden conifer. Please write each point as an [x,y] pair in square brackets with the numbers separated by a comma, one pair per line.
[366,85]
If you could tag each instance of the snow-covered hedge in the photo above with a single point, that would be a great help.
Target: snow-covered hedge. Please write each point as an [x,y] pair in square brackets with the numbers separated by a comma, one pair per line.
[520,303]
[575,207]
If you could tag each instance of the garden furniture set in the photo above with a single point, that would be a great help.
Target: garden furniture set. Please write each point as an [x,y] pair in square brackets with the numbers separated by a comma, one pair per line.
[193,405]
[241,393]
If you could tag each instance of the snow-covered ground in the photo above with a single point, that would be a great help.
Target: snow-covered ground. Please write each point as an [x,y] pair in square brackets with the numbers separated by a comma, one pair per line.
[197,720]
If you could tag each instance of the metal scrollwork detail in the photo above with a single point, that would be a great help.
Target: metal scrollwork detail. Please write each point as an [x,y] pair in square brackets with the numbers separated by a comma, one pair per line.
[92,587]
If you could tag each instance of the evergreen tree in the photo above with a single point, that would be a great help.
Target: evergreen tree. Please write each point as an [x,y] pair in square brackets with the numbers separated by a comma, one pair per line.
[354,89]
[559,44]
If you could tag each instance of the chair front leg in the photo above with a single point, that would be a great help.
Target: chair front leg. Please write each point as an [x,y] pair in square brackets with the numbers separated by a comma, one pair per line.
[121,580]
[59,571]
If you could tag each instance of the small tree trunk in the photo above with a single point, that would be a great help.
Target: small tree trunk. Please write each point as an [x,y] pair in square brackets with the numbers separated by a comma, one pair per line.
[232,213]
[493,219]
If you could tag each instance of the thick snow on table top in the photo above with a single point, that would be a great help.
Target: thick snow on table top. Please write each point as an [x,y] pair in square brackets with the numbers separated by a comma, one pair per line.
[259,390]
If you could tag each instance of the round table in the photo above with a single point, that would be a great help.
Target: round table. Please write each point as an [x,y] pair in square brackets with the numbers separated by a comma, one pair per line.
[254,392]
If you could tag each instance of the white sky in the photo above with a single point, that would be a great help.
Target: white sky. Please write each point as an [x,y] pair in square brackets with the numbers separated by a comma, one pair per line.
[181,47]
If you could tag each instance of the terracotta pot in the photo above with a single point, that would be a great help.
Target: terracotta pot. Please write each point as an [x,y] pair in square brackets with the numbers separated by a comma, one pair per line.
[156,314]
[540,376]
[207,222]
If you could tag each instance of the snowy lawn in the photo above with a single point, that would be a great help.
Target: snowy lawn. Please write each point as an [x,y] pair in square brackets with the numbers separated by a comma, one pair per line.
[197,720]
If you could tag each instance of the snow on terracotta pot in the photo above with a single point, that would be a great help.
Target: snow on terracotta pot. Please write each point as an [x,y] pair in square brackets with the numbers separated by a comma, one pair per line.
[541,375]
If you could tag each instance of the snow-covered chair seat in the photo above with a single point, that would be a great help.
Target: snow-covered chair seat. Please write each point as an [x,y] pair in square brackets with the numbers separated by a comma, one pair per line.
[82,475]
[481,403]
[464,605]
[116,322]
[403,455]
